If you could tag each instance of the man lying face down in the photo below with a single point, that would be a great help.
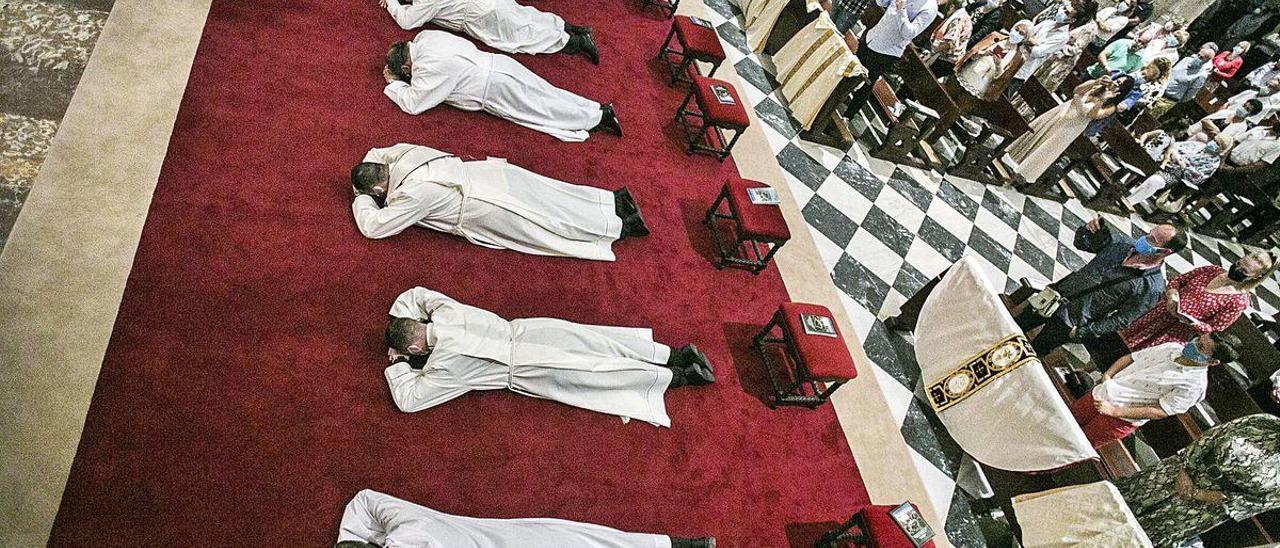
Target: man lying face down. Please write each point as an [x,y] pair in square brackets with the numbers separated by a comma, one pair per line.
[490,203]
[441,349]
[376,520]
[438,67]
[500,24]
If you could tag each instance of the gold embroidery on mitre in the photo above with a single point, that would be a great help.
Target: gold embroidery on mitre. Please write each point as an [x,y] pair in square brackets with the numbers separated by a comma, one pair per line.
[979,371]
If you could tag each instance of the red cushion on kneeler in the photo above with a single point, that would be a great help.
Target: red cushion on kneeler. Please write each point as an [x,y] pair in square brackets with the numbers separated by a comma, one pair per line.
[698,41]
[757,221]
[886,531]
[826,358]
[729,116]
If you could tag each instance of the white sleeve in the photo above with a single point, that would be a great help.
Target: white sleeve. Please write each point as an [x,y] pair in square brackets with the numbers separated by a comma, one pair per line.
[359,519]
[415,15]
[417,99]
[401,212]
[1181,399]
[1275,379]
[909,28]
[415,390]
[384,155]
[418,303]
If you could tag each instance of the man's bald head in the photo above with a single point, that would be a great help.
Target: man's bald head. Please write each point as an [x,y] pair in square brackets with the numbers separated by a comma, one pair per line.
[1168,237]
[407,336]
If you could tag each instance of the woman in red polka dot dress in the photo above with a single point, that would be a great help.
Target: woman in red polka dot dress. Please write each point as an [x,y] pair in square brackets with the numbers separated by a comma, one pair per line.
[1207,299]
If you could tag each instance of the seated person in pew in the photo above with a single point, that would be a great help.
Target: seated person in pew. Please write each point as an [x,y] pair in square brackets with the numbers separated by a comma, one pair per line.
[1205,299]
[440,349]
[1047,38]
[1229,122]
[490,203]
[1186,165]
[1269,95]
[988,67]
[438,67]
[1152,383]
[1124,279]
[1148,85]
[500,24]
[1232,473]
[1124,55]
[1255,149]
[373,520]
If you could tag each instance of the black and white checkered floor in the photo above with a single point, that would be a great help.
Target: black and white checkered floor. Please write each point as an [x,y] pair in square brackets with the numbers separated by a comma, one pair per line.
[885,230]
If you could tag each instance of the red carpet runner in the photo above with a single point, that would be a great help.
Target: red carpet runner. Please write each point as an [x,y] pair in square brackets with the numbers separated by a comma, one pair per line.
[242,398]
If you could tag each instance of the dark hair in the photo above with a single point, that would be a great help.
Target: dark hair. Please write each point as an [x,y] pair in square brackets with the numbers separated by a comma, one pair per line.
[400,333]
[1253,106]
[1086,10]
[397,58]
[1225,347]
[1124,85]
[1181,237]
[355,544]
[365,175]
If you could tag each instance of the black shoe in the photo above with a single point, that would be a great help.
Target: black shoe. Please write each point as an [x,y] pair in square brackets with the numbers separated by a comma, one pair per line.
[704,542]
[699,374]
[624,204]
[609,120]
[683,356]
[634,227]
[588,48]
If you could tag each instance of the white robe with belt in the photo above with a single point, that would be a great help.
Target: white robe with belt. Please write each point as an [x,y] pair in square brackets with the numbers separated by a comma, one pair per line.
[449,69]
[613,370]
[501,24]
[395,523]
[490,203]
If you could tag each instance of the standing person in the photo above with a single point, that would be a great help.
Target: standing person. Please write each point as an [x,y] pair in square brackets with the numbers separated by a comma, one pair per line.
[902,21]
[500,24]
[1122,281]
[1166,48]
[1186,79]
[987,18]
[949,41]
[985,70]
[1048,37]
[373,520]
[1227,63]
[1231,473]
[1052,132]
[1052,72]
[1204,300]
[1151,384]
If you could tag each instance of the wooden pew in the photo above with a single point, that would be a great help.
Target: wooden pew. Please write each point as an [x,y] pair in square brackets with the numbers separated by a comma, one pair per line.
[982,163]
[1134,163]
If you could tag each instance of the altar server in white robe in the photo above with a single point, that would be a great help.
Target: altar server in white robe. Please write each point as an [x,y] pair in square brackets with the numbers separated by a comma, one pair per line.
[441,349]
[438,67]
[490,203]
[500,24]
[374,519]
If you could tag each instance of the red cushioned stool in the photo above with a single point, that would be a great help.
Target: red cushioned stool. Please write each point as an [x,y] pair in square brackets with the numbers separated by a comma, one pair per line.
[814,358]
[698,42]
[758,229]
[872,527]
[719,108]
[666,7]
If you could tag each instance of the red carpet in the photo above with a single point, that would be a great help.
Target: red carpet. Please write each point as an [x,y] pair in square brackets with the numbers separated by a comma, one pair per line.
[242,398]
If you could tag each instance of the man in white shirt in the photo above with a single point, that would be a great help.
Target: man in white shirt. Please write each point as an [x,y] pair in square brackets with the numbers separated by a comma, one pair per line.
[438,67]
[440,349]
[500,24]
[902,21]
[1047,38]
[1268,95]
[490,203]
[1152,383]
[374,519]
[1256,148]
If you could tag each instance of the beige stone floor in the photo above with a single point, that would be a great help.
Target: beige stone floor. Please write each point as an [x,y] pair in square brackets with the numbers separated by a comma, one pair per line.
[61,283]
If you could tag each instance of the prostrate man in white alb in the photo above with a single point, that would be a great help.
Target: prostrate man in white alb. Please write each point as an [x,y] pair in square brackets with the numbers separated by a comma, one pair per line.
[374,519]
[438,67]
[441,349]
[500,24]
[490,203]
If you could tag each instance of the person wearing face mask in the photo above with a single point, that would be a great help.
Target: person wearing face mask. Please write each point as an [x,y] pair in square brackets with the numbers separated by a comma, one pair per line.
[1122,281]
[1268,95]
[1186,165]
[1186,79]
[440,349]
[886,41]
[1165,48]
[1227,63]
[1150,384]
[500,24]
[1204,300]
[1262,76]
[490,202]
[1047,38]
[1110,21]
[377,520]
[1229,123]
[984,71]
[1055,70]
[1123,55]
